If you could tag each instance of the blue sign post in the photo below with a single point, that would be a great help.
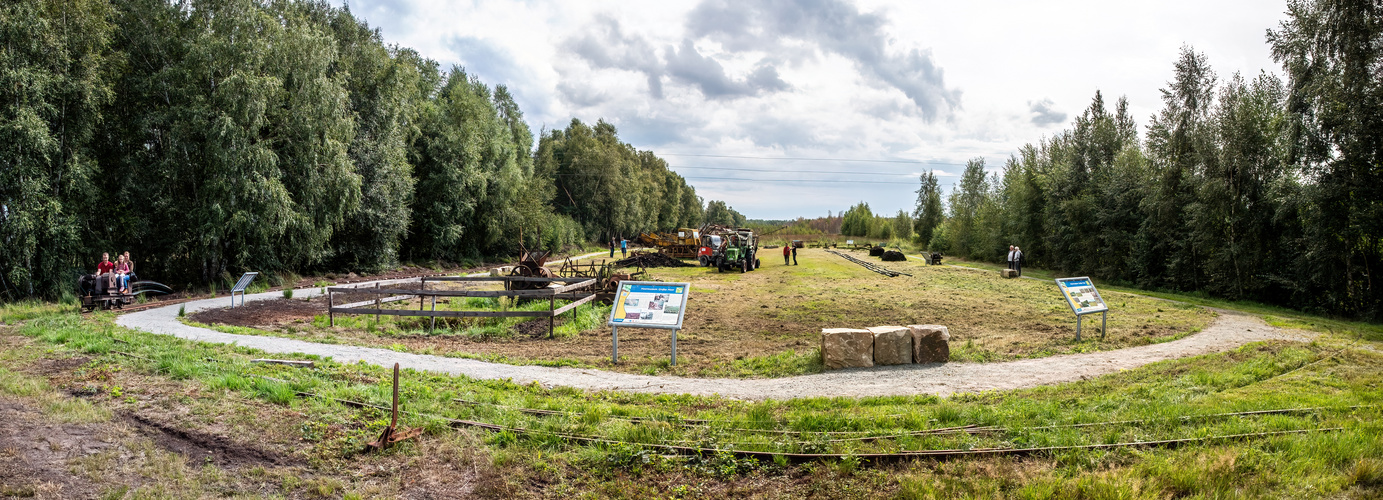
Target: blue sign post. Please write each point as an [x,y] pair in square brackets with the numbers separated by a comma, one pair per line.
[1081,295]
[648,304]
[241,285]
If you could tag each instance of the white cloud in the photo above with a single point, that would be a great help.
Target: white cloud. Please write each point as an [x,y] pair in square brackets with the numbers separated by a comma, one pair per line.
[920,81]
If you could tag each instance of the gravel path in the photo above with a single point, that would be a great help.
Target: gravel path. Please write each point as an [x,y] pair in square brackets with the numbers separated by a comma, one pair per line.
[1226,332]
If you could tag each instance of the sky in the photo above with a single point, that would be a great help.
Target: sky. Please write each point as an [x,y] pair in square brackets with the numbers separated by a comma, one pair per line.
[803,108]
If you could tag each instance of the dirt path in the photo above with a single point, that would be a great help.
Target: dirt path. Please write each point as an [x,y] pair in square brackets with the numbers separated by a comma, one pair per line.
[1228,331]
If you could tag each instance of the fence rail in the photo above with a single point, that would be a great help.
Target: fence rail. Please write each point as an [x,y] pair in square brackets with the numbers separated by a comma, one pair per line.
[572,289]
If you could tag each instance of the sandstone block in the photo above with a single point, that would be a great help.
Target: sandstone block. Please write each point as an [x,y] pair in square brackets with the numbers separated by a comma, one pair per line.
[892,345]
[846,348]
[931,343]
[1008,273]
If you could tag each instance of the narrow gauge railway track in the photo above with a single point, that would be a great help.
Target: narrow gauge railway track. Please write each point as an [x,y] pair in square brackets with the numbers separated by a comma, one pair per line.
[872,266]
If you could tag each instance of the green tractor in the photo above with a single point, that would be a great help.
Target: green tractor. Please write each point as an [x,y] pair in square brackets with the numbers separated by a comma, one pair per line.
[741,250]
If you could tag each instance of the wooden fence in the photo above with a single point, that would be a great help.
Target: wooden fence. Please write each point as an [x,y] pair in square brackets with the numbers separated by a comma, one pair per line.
[578,290]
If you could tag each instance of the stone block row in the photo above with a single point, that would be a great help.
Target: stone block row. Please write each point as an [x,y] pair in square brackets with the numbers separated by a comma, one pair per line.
[884,345]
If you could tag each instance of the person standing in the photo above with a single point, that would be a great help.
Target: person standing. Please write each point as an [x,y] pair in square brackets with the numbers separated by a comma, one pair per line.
[785,254]
[1010,256]
[623,247]
[794,254]
[1018,260]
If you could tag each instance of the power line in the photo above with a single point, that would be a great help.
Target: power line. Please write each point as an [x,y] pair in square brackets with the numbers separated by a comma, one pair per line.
[791,180]
[790,171]
[813,159]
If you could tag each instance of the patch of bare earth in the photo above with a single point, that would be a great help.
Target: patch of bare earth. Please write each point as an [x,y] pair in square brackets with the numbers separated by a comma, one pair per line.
[34,454]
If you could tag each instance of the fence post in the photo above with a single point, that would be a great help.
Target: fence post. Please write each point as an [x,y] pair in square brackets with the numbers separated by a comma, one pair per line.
[422,280]
[377,304]
[551,318]
[434,315]
[331,316]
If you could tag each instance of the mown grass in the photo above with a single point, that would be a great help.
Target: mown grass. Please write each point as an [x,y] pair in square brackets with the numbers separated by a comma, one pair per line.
[1336,372]
[990,318]
[767,322]
[1274,315]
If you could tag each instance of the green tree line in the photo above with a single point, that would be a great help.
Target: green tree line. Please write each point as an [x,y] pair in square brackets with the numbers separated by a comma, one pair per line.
[859,220]
[210,137]
[1242,187]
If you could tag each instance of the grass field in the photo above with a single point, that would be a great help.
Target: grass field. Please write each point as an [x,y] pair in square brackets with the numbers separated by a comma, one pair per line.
[767,323]
[60,369]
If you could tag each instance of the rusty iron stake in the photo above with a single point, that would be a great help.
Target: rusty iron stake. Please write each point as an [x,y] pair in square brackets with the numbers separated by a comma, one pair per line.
[391,433]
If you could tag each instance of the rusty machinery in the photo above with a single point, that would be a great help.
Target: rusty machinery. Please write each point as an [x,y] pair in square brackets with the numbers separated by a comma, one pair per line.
[532,264]
[682,244]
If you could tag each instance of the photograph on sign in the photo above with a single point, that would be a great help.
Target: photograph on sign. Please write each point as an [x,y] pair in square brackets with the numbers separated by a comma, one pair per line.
[1081,295]
[649,305]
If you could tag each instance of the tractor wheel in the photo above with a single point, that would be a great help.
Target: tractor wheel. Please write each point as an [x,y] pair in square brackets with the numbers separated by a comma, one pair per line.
[757,264]
[744,266]
[701,260]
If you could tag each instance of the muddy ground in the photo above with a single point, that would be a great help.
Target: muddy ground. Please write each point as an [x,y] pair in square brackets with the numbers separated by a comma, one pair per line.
[143,436]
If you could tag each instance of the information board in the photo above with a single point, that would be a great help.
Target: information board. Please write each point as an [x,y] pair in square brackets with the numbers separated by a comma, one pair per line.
[1081,295]
[649,304]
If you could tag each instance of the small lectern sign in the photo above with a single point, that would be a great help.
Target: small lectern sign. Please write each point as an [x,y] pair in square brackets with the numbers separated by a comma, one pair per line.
[650,305]
[1081,295]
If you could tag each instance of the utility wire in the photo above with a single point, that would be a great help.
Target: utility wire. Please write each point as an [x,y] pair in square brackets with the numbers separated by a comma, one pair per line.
[791,171]
[813,159]
[790,180]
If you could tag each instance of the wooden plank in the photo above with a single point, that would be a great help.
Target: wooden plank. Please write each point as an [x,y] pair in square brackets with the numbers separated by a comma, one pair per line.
[568,307]
[574,286]
[349,287]
[289,362]
[503,278]
[371,301]
[542,292]
[447,314]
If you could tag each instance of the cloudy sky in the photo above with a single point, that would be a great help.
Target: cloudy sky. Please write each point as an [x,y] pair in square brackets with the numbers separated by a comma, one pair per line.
[796,108]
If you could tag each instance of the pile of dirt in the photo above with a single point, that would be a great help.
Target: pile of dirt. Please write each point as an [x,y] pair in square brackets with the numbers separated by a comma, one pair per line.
[876,251]
[650,260]
[263,312]
[894,256]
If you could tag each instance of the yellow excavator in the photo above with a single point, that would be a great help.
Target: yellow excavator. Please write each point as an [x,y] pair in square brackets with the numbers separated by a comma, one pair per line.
[682,244]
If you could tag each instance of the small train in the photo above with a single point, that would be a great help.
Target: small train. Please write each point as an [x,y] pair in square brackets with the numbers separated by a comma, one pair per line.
[98,292]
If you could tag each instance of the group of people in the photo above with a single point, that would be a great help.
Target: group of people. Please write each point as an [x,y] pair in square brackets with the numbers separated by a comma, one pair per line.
[1015,259]
[623,247]
[116,273]
[786,252]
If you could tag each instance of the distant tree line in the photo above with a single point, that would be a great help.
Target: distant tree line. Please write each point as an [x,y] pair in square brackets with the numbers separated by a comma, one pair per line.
[1245,188]
[859,220]
[212,137]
